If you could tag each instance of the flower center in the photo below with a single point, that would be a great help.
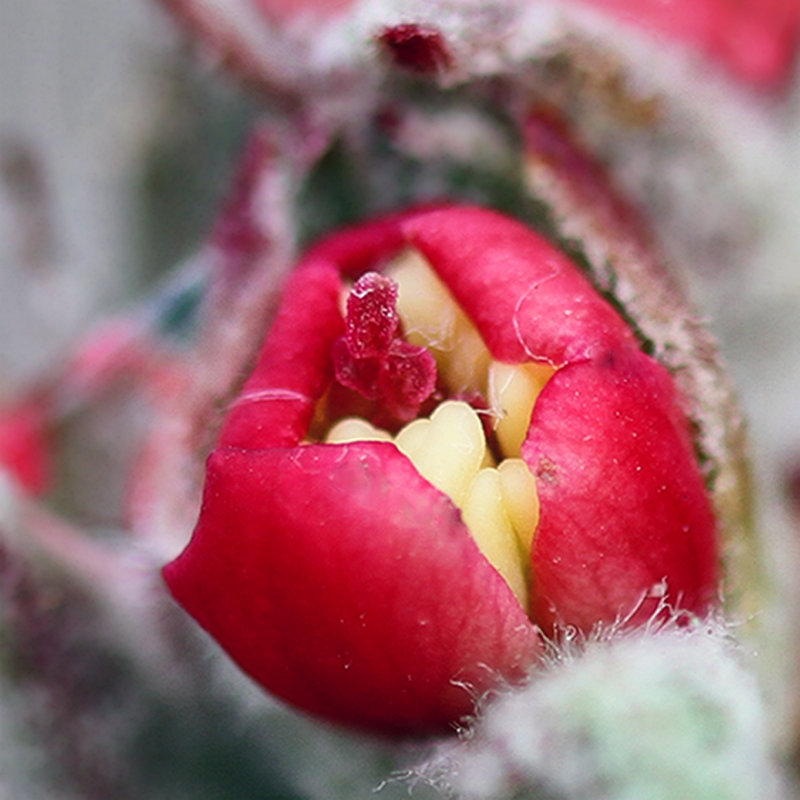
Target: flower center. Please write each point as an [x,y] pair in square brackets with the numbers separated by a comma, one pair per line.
[469,445]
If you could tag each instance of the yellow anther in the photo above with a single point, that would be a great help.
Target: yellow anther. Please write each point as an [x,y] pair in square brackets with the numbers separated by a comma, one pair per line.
[413,437]
[513,389]
[487,518]
[449,451]
[424,304]
[432,318]
[520,499]
[356,429]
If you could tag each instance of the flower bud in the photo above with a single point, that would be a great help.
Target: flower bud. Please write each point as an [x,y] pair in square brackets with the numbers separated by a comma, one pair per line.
[24,450]
[378,544]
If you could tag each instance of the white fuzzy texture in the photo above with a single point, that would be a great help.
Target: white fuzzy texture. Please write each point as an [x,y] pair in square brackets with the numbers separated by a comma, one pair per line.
[655,716]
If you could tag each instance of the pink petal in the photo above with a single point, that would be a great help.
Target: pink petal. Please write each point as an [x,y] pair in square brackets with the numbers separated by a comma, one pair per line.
[281,12]
[757,40]
[527,299]
[624,505]
[277,402]
[626,520]
[338,578]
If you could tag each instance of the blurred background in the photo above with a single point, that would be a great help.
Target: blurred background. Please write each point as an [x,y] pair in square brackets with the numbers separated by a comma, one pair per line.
[114,151]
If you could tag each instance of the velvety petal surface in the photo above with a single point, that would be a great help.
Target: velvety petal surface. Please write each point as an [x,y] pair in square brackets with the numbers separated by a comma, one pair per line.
[341,580]
[345,583]
[277,402]
[626,522]
[527,299]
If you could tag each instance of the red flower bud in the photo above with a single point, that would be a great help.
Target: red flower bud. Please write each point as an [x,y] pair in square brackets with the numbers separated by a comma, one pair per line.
[368,571]
[24,449]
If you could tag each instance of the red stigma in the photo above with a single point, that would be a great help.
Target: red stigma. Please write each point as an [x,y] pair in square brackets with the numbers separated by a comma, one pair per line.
[373,360]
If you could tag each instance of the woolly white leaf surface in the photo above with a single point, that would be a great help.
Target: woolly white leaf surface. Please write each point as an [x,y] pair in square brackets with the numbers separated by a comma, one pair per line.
[661,716]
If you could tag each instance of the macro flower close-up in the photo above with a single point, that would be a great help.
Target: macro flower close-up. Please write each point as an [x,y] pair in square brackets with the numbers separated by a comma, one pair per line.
[398,397]
[450,445]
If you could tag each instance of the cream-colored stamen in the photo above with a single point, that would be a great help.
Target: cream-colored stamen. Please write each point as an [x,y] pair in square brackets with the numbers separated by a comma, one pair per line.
[432,319]
[424,304]
[464,367]
[356,429]
[452,451]
[520,499]
[487,518]
[413,437]
[513,389]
